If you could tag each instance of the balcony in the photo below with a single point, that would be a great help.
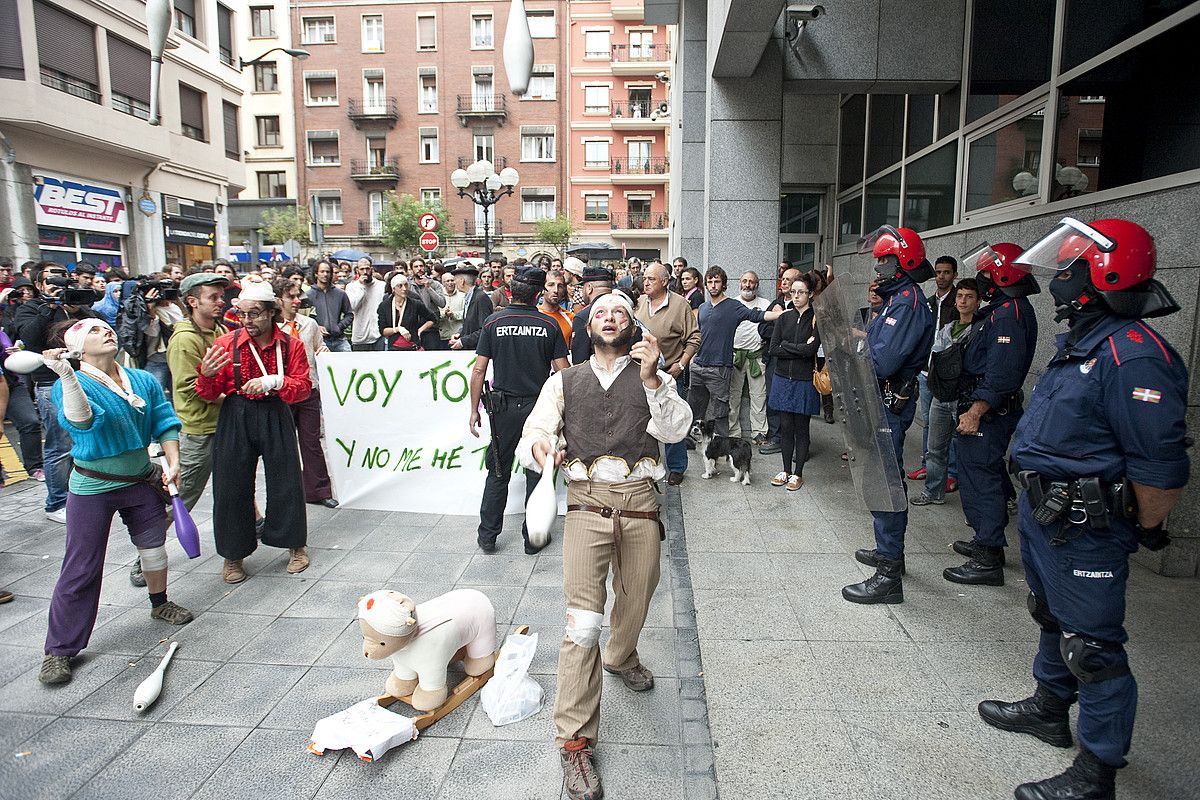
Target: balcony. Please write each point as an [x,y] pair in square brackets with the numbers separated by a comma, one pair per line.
[387,112]
[640,114]
[366,172]
[481,106]
[655,169]
[499,164]
[370,229]
[648,224]
[645,59]
[474,230]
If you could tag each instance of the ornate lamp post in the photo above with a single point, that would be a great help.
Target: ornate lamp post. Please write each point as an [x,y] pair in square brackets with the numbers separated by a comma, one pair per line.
[481,183]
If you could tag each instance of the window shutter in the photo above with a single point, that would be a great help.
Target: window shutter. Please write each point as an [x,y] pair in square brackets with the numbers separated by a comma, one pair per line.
[224,28]
[537,130]
[66,43]
[128,69]
[191,107]
[187,6]
[427,72]
[318,135]
[372,73]
[425,32]
[483,71]
[427,131]
[12,64]
[233,147]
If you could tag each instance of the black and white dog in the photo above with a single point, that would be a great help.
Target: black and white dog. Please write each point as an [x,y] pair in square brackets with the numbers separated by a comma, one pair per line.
[735,448]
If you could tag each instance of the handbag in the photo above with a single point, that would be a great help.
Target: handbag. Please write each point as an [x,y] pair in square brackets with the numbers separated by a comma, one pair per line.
[821,380]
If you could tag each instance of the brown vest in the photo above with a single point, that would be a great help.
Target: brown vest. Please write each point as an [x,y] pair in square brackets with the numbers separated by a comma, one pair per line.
[606,423]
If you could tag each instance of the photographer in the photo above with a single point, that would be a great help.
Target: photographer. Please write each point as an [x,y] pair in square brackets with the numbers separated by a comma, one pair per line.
[59,301]
[148,314]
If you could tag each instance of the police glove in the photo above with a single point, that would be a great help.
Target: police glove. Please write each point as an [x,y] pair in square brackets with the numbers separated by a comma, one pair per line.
[1155,538]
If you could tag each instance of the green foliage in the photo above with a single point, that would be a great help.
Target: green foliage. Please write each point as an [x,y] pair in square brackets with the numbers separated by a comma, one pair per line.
[400,219]
[279,225]
[556,231]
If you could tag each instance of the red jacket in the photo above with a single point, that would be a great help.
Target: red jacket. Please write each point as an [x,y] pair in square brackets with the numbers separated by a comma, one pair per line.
[296,383]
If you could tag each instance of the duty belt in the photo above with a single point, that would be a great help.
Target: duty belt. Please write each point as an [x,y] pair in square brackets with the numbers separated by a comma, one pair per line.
[1081,500]
[615,514]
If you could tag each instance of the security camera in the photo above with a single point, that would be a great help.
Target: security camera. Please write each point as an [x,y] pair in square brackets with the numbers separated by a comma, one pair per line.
[804,12]
[663,77]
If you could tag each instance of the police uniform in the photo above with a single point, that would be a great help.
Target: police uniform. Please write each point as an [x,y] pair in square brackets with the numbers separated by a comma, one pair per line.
[1109,406]
[521,343]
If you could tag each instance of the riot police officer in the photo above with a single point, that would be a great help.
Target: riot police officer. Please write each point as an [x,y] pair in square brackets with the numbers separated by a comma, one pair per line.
[996,360]
[899,340]
[522,344]
[1100,455]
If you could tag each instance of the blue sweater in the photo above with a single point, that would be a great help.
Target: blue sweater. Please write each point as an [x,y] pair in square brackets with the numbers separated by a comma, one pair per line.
[118,427]
[717,325]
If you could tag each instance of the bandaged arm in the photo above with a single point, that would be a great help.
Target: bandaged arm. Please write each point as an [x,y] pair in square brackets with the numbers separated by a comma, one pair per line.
[76,408]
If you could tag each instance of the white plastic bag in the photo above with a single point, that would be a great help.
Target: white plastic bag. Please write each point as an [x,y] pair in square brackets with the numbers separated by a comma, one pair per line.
[511,695]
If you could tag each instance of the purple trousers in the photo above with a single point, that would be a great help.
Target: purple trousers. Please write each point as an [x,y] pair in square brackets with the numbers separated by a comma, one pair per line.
[314,473]
[77,593]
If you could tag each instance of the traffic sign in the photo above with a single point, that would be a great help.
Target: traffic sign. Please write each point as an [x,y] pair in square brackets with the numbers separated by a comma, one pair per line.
[429,241]
[428,222]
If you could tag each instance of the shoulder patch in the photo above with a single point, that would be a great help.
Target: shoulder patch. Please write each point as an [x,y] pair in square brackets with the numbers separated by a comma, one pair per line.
[1134,336]
[890,320]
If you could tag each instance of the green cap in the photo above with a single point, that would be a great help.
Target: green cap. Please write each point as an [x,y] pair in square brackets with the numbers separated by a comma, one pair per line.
[202,279]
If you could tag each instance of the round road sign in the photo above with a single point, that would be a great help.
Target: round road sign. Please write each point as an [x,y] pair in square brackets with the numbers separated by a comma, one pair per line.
[429,241]
[428,222]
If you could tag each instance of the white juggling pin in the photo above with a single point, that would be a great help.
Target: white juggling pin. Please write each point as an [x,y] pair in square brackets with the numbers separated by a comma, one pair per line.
[542,507]
[149,690]
[23,362]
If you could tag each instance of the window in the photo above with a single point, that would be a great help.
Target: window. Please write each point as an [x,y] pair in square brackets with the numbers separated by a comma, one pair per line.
[597,44]
[428,92]
[541,83]
[225,35]
[639,104]
[426,32]
[595,100]
[185,17]
[641,45]
[372,33]
[595,208]
[272,184]
[319,30]
[268,131]
[638,209]
[537,203]
[12,59]
[800,213]
[997,77]
[920,122]
[482,98]
[320,88]
[262,25]
[850,220]
[323,148]
[375,212]
[595,154]
[66,52]
[541,24]
[191,112]
[329,208]
[886,133]
[376,152]
[929,189]
[374,100]
[431,197]
[1093,26]
[1005,164]
[266,78]
[481,32]
[853,141]
[129,76]
[639,156]
[882,206]
[485,147]
[428,151]
[537,142]
[229,116]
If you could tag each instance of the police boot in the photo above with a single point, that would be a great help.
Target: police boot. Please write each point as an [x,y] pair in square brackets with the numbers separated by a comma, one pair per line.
[967,549]
[870,557]
[885,586]
[983,568]
[1088,778]
[1045,715]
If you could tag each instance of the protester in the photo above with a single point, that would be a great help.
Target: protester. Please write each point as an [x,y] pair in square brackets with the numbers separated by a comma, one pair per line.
[477,306]
[255,423]
[450,320]
[596,282]
[943,305]
[112,415]
[502,295]
[689,285]
[611,460]
[551,305]
[677,268]
[404,321]
[21,409]
[331,308]
[85,275]
[107,308]
[573,271]
[307,412]
[6,272]
[748,369]
[424,288]
[793,347]
[782,302]
[366,293]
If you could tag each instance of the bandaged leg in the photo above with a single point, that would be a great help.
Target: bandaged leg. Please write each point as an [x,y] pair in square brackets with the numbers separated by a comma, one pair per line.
[154,559]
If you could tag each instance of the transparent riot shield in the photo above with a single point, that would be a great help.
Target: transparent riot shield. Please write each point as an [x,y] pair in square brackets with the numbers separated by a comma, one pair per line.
[857,402]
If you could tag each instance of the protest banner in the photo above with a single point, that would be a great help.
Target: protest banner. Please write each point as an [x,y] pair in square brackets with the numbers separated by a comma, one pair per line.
[396,433]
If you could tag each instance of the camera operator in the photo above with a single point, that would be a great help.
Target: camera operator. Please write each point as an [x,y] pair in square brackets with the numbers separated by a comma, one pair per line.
[148,314]
[59,301]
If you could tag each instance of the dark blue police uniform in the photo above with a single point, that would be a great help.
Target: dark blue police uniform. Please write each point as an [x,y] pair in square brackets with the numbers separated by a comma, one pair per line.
[899,340]
[1110,406]
[995,362]
[522,343]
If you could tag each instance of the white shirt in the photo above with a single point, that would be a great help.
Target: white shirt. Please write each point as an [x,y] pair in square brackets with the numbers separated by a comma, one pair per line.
[746,337]
[364,301]
[670,419]
[451,317]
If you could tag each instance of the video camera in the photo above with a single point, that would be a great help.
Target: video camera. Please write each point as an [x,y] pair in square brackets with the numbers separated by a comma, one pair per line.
[71,294]
[167,289]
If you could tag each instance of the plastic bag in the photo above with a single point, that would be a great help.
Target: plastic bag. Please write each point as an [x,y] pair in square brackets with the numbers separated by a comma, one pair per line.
[511,695]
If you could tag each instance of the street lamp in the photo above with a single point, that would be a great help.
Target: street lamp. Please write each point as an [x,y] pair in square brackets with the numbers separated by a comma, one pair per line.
[294,53]
[480,182]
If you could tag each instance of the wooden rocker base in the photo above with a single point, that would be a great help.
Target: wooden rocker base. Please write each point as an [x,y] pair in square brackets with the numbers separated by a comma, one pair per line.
[458,695]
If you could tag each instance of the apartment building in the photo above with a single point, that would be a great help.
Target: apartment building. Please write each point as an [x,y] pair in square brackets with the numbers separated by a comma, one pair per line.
[396,96]
[620,123]
[83,175]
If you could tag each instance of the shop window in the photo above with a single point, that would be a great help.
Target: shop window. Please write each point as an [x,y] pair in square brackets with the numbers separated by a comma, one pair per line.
[853,141]
[262,22]
[595,208]
[1000,71]
[318,30]
[372,33]
[929,189]
[800,213]
[191,113]
[426,32]
[1093,26]
[919,122]
[882,206]
[541,23]
[1005,164]
[266,78]
[70,247]
[268,131]
[886,134]
[272,184]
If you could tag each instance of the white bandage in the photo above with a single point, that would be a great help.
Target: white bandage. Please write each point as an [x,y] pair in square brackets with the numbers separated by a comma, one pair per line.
[611,299]
[75,335]
[387,611]
[76,408]
[153,559]
[272,383]
[583,627]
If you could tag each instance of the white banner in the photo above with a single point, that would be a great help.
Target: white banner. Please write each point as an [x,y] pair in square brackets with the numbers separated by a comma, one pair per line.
[396,433]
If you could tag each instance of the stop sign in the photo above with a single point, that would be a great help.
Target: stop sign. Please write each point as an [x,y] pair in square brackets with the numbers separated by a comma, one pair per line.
[429,241]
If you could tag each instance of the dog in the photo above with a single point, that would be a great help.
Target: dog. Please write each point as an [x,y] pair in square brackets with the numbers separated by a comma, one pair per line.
[735,448]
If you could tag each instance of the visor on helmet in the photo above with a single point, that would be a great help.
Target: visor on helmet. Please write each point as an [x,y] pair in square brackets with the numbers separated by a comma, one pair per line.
[1068,241]
[866,244]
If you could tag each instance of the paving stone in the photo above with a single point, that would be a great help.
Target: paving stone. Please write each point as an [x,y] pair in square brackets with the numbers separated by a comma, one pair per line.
[292,640]
[750,616]
[721,571]
[394,539]
[630,770]
[335,599]
[21,608]
[265,595]
[363,565]
[64,755]
[132,633]
[89,671]
[324,691]
[881,676]
[650,717]
[511,770]
[214,636]
[347,651]
[268,763]
[766,675]
[547,571]
[413,771]
[19,727]
[424,568]
[496,570]
[538,728]
[236,694]
[14,566]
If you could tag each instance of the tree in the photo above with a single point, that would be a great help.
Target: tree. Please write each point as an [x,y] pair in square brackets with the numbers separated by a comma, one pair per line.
[400,219]
[279,225]
[556,231]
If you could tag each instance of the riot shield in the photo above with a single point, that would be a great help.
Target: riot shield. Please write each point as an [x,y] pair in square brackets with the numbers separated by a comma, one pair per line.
[857,402]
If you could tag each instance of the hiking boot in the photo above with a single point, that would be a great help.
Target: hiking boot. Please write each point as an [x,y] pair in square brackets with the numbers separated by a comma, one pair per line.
[967,548]
[579,773]
[926,499]
[1088,778]
[871,559]
[232,571]
[984,568]
[770,448]
[637,677]
[1044,716]
[55,669]
[299,561]
[136,577]
[173,613]
[885,586]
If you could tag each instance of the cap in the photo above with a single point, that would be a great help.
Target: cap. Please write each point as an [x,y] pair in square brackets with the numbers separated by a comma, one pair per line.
[465,268]
[574,266]
[591,273]
[534,276]
[202,279]
[21,282]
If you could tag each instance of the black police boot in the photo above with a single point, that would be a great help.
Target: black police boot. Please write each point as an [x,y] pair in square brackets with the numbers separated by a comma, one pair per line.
[1088,778]
[967,549]
[984,568]
[871,559]
[1045,715]
[885,586]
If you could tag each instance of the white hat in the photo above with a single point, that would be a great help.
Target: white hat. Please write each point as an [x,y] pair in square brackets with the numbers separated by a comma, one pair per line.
[574,266]
[255,291]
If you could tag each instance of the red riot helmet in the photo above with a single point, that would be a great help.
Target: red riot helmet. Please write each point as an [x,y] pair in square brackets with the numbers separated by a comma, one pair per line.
[996,269]
[899,248]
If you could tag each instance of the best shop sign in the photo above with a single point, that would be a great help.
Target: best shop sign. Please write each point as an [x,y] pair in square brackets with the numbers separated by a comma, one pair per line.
[65,202]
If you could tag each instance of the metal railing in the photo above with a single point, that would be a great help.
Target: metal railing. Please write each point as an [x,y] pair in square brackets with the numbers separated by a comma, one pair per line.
[389,109]
[655,165]
[72,86]
[472,229]
[481,104]
[370,228]
[499,164]
[642,52]
[637,220]
[637,109]
[388,169]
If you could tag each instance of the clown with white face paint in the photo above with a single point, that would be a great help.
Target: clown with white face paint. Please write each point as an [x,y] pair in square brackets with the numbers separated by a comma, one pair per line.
[602,422]
[112,414]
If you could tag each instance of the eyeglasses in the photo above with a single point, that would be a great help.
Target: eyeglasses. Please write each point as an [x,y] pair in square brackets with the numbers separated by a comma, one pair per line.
[253,314]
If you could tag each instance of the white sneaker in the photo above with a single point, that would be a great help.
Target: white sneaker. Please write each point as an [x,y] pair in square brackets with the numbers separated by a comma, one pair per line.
[59,516]
[780,479]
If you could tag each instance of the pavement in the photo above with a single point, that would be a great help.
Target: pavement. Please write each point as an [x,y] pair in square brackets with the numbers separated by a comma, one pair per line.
[769,685]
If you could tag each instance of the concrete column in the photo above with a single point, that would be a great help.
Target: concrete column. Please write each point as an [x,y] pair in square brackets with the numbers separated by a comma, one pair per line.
[18,225]
[688,153]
